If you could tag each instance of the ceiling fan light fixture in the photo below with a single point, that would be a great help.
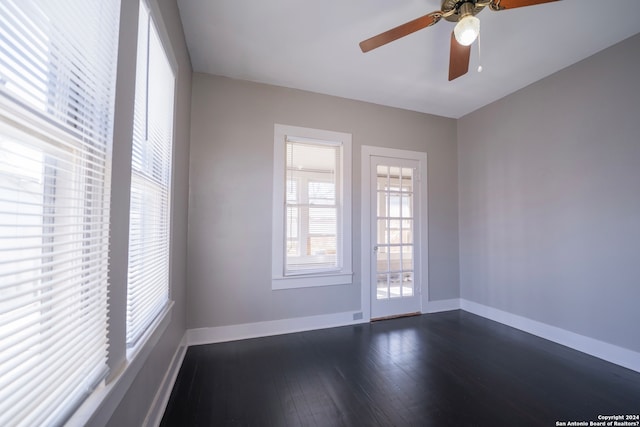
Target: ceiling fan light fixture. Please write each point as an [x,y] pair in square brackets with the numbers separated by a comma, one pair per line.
[466,30]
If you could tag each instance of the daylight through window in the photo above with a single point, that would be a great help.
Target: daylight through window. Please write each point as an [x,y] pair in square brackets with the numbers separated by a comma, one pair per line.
[312,208]
[149,222]
[57,80]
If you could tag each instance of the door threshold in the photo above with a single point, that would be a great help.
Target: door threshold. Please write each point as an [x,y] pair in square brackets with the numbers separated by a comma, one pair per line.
[396,316]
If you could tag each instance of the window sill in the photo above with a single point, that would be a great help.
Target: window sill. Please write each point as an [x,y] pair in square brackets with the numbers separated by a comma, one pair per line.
[311,280]
[99,406]
[155,330]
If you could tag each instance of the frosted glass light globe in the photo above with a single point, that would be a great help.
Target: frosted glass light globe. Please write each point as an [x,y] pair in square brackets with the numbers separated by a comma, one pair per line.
[466,30]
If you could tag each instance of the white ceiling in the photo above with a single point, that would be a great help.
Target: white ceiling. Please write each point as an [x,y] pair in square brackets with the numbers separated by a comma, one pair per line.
[313,45]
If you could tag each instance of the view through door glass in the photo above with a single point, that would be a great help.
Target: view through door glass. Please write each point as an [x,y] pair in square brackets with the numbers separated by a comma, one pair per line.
[394,250]
[394,259]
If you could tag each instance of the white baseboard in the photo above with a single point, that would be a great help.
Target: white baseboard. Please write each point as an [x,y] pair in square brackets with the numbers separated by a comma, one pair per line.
[268,328]
[608,352]
[602,350]
[442,305]
[161,399]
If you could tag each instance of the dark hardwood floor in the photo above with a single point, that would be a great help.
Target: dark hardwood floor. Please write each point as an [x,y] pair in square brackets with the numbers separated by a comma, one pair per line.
[445,369]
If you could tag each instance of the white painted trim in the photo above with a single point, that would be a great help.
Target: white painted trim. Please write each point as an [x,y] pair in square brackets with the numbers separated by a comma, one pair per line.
[161,399]
[268,328]
[311,280]
[367,151]
[98,408]
[602,350]
[608,352]
[365,232]
[442,305]
[344,274]
[156,14]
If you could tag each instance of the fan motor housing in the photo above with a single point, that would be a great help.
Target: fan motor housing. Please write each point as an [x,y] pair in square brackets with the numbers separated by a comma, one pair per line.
[449,5]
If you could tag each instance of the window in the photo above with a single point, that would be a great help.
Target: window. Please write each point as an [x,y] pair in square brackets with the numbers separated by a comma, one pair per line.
[311,221]
[57,80]
[149,223]
[311,208]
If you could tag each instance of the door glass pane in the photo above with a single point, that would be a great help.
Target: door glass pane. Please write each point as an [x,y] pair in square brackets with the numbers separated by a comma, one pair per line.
[395,285]
[407,179]
[394,177]
[382,259]
[407,231]
[382,232]
[407,258]
[407,284]
[406,206]
[382,173]
[382,288]
[394,231]
[394,258]
[394,205]
[382,204]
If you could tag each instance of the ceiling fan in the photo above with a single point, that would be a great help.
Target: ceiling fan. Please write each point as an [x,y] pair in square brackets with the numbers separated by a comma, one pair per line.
[464,34]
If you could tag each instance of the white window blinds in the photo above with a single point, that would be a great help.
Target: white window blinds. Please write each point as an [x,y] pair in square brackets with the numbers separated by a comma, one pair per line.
[312,208]
[57,79]
[149,232]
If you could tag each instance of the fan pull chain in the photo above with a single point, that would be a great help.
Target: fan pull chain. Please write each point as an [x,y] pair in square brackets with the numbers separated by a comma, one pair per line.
[479,56]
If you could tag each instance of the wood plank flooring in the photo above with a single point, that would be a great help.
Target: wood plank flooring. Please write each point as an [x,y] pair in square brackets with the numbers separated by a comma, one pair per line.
[444,369]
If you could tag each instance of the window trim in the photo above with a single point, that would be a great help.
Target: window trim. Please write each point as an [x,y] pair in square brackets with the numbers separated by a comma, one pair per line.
[342,275]
[158,324]
[73,136]
[126,363]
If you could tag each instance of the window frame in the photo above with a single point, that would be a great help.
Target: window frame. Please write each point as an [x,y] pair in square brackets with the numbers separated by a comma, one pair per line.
[122,363]
[71,134]
[304,220]
[158,324]
[343,273]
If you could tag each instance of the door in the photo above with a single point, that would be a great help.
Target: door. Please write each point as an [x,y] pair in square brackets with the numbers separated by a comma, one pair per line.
[395,224]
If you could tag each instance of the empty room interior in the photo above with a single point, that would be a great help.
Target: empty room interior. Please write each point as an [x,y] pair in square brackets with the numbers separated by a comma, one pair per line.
[288,213]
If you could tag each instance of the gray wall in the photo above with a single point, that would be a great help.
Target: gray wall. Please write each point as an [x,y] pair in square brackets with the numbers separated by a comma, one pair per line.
[549,199]
[540,188]
[231,188]
[133,407]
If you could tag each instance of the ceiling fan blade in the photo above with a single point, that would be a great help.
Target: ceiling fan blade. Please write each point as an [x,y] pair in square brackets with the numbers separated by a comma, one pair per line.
[458,59]
[400,31]
[512,4]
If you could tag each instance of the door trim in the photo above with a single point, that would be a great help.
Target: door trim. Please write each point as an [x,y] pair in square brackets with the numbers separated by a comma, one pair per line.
[367,152]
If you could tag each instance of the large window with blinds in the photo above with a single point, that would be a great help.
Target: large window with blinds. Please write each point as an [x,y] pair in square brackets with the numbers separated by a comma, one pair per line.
[57,80]
[311,208]
[149,223]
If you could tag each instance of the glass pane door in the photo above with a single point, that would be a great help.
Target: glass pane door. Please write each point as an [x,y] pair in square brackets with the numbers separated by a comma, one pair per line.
[394,247]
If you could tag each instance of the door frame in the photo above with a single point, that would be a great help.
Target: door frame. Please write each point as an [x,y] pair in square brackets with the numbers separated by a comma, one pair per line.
[366,246]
